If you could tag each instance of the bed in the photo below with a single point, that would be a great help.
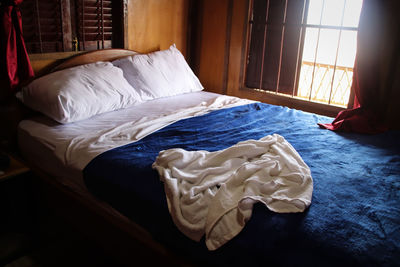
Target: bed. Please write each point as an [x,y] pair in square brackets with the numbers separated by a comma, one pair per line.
[105,162]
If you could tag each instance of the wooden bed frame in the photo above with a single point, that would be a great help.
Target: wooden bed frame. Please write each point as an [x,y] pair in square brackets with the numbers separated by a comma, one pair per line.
[124,240]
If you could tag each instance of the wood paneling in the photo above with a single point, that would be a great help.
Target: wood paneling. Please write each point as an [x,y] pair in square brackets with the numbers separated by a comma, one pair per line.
[210,63]
[222,50]
[156,24]
[43,62]
[151,25]
[237,47]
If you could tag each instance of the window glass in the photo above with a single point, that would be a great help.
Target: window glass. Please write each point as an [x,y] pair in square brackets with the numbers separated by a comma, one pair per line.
[352,13]
[310,44]
[332,12]
[327,46]
[314,12]
[347,49]
[311,59]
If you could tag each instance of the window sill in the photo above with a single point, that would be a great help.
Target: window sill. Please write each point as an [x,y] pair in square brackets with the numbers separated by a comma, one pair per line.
[289,101]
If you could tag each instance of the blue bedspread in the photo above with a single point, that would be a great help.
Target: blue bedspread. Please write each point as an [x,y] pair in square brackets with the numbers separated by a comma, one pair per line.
[354,217]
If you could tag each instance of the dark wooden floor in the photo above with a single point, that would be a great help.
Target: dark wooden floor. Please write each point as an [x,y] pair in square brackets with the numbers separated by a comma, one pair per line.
[31,236]
[52,243]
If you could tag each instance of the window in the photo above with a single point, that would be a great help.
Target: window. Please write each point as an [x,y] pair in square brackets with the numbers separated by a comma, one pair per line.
[68,25]
[303,48]
[42,26]
[94,24]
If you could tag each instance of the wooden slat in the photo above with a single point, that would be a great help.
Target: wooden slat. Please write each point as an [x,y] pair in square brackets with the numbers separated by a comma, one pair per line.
[42,26]
[95,16]
[90,57]
[95,28]
[91,9]
[95,24]
[46,21]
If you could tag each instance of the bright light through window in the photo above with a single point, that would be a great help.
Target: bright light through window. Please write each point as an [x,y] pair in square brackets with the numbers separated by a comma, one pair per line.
[329,51]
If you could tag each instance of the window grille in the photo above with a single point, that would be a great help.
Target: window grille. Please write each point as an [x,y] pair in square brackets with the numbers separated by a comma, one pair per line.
[288,39]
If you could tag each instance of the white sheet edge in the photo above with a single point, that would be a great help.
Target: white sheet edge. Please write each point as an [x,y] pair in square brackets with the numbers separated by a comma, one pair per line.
[79,151]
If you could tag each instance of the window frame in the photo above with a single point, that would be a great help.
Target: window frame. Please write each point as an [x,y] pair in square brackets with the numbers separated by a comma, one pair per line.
[71,24]
[275,97]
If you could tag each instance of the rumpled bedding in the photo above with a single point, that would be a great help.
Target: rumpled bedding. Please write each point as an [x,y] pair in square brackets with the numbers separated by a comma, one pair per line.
[213,193]
[354,218]
[80,150]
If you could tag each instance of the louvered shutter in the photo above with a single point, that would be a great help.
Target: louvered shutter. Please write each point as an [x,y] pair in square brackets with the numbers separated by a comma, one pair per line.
[275,45]
[94,24]
[42,25]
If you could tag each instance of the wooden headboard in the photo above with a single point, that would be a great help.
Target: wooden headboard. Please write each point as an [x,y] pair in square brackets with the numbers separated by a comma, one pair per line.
[12,111]
[46,63]
[93,56]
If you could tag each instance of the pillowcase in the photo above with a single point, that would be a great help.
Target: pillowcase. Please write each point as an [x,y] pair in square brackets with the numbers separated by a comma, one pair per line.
[80,92]
[159,74]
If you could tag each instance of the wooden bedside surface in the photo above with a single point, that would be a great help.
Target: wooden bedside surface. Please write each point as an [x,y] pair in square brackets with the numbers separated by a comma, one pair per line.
[16,168]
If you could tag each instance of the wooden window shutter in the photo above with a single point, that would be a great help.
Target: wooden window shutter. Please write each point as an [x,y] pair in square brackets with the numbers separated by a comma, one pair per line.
[275,45]
[94,24]
[255,57]
[42,23]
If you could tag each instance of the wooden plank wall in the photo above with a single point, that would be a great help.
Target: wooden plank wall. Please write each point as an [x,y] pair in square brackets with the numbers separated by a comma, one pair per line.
[151,25]
[212,35]
[221,44]
[156,24]
[209,52]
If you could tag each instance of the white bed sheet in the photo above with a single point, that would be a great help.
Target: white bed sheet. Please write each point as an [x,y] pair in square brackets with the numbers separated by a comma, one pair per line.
[63,150]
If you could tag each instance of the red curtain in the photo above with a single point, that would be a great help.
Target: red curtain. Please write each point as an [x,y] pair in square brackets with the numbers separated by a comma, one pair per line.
[375,70]
[15,64]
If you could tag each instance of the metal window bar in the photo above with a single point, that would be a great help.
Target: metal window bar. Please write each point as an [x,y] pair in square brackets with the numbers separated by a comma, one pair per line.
[99,17]
[303,27]
[316,48]
[337,52]
[321,26]
[83,25]
[102,24]
[281,48]
[62,23]
[265,38]
[100,39]
[330,27]
[38,26]
[300,46]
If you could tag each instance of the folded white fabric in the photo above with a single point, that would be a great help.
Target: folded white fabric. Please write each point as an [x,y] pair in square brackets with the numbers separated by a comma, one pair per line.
[213,193]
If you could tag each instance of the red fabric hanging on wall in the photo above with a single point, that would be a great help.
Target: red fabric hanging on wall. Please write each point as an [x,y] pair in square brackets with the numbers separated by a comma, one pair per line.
[376,49]
[15,64]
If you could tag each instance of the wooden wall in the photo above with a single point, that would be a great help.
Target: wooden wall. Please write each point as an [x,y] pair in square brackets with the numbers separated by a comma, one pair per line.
[211,34]
[221,44]
[209,50]
[150,25]
[156,24]
[221,47]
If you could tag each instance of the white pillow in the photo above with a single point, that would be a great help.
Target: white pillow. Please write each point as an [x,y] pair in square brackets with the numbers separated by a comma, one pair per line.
[80,92]
[159,74]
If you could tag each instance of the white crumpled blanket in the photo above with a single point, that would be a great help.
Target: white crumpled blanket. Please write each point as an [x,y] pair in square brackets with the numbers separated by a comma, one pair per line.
[213,193]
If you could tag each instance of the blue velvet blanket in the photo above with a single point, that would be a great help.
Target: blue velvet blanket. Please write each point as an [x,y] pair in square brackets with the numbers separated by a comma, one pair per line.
[354,217]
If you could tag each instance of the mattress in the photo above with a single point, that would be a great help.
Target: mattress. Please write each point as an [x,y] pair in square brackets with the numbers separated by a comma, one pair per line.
[45,143]
[354,214]
[354,217]
[42,136]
